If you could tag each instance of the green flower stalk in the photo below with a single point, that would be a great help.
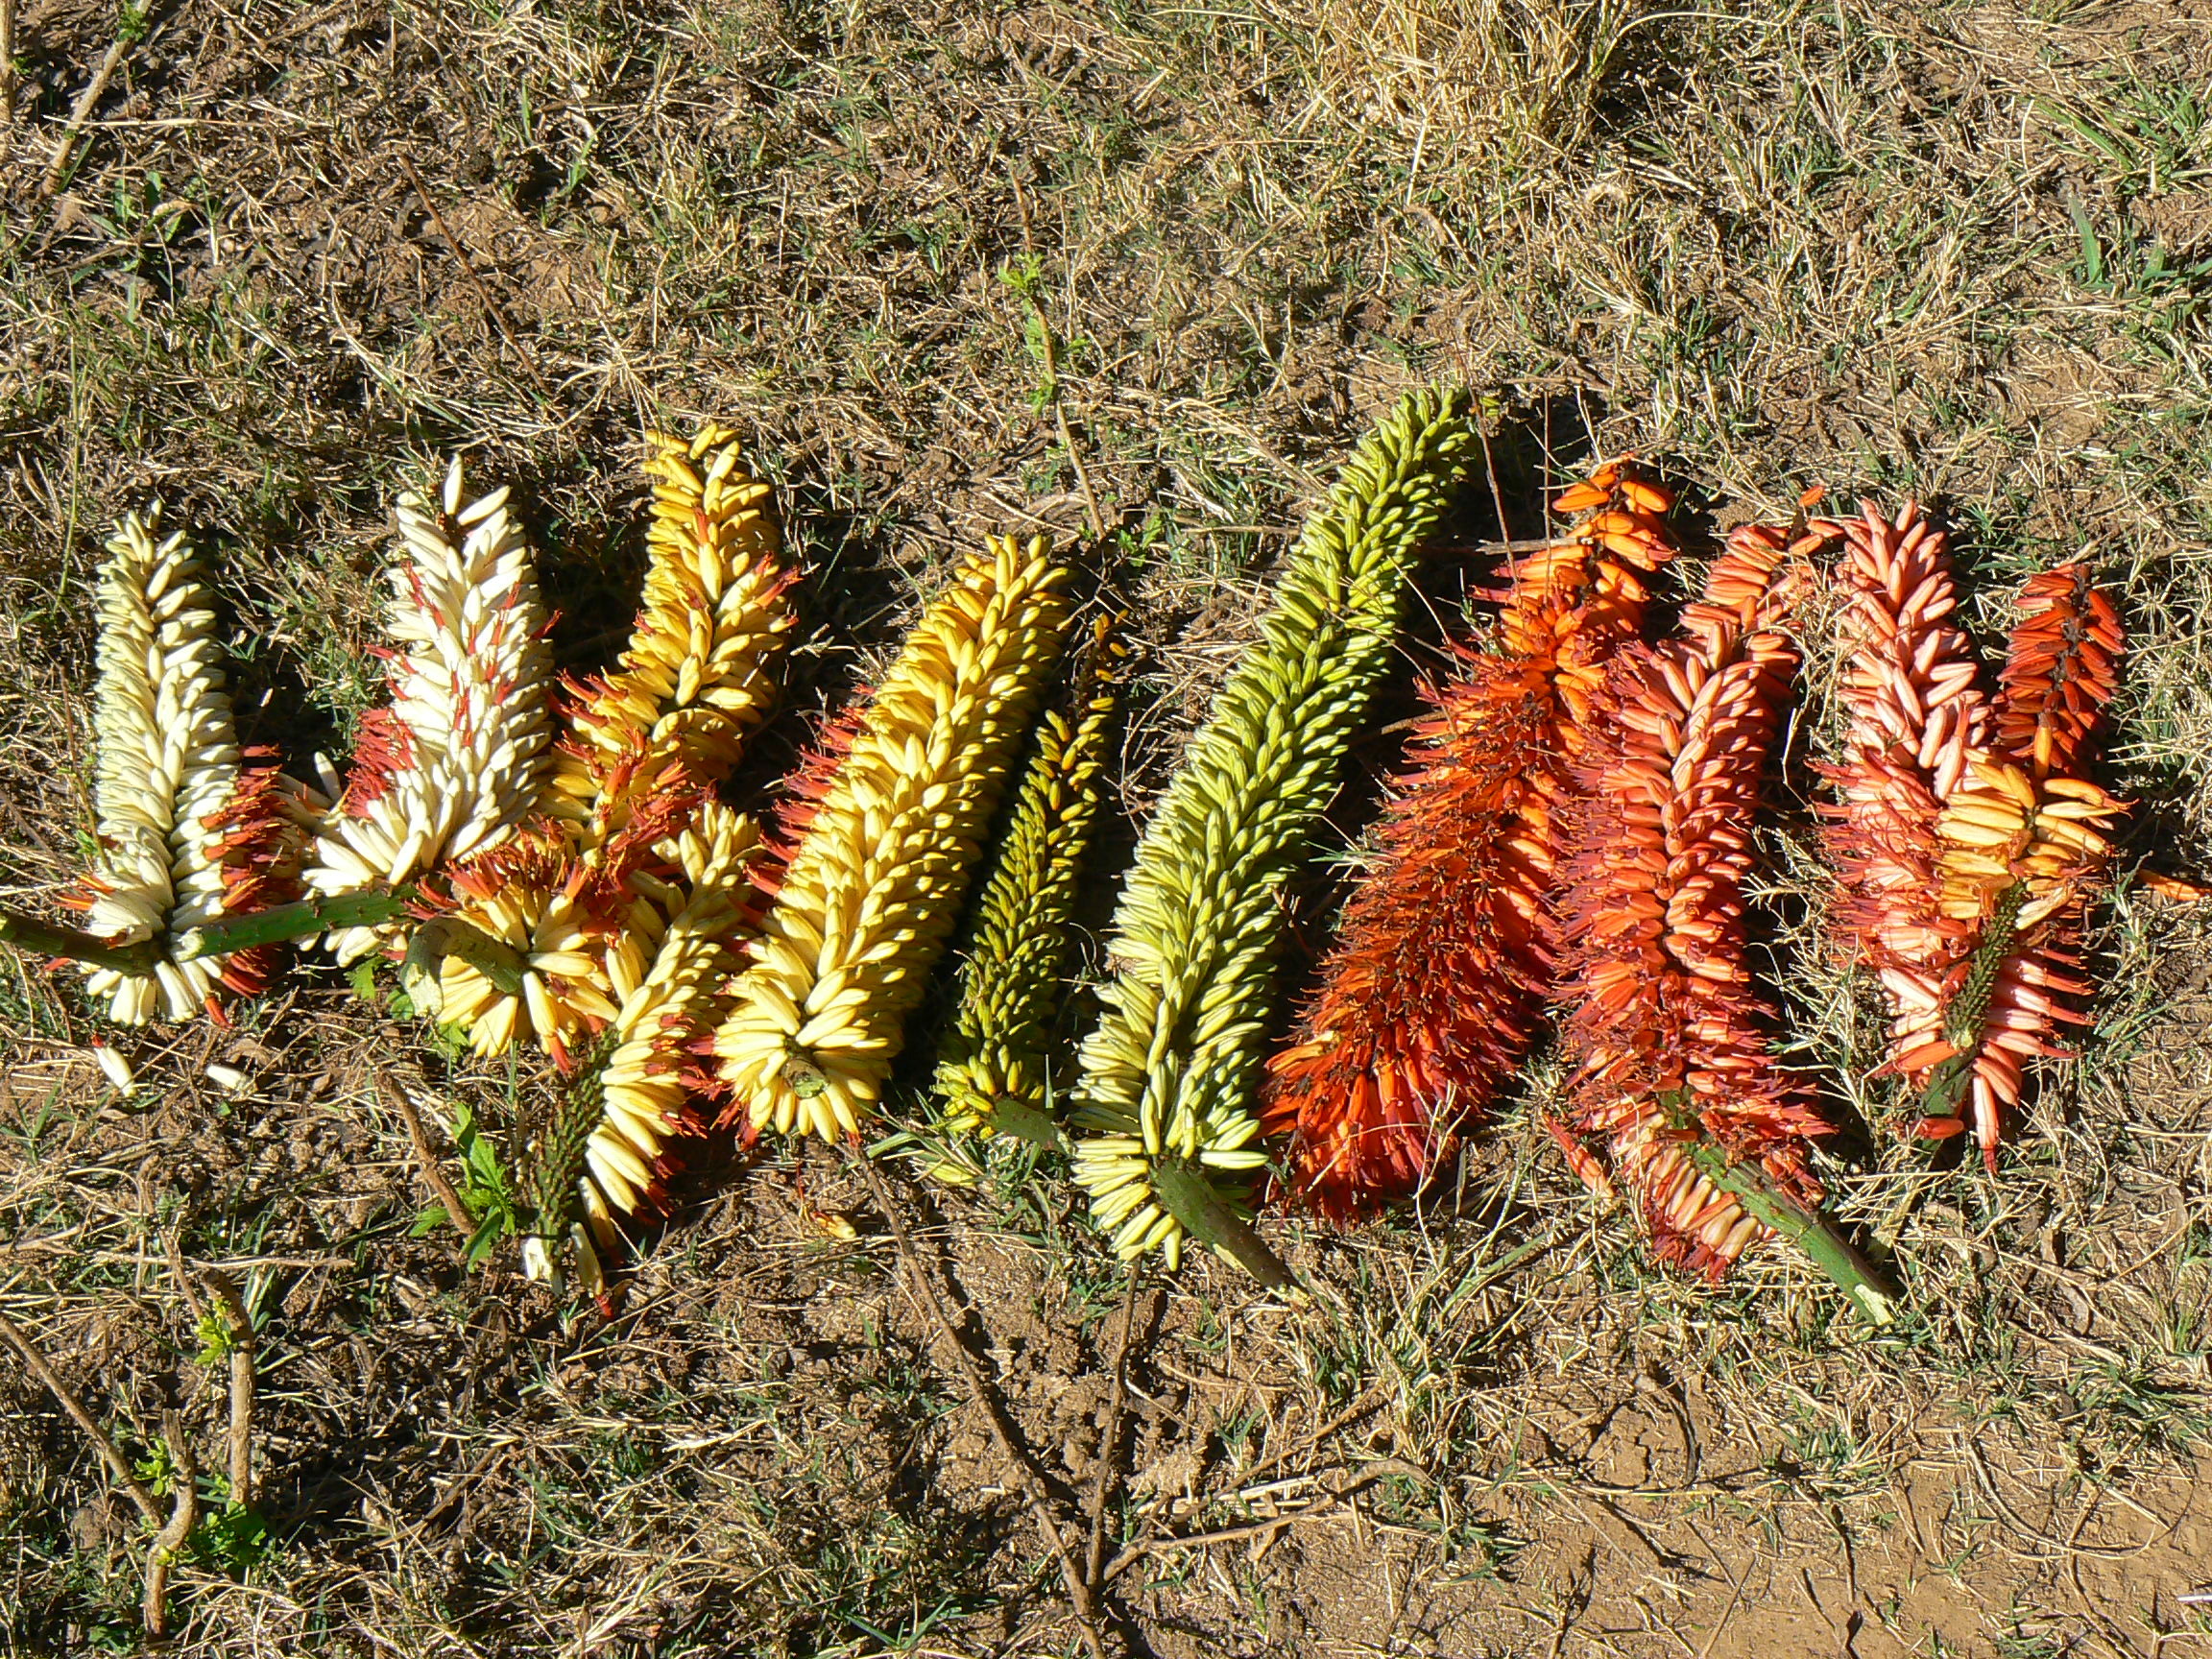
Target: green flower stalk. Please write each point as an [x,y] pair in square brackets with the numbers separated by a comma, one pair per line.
[992,1071]
[1168,1076]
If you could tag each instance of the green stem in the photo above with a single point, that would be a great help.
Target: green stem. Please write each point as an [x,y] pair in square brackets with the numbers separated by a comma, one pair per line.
[1184,1194]
[1969,1011]
[1812,1232]
[444,936]
[38,938]
[281,924]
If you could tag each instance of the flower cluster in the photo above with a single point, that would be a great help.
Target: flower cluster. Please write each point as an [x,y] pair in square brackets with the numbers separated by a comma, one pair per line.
[992,1066]
[602,1155]
[186,834]
[456,762]
[887,829]
[1168,1075]
[700,671]
[1439,978]
[1966,847]
[1663,1021]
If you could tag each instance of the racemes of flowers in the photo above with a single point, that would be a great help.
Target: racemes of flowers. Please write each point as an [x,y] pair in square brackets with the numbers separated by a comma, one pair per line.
[187,833]
[879,841]
[1967,842]
[995,1070]
[1672,1088]
[456,761]
[1444,963]
[1166,1097]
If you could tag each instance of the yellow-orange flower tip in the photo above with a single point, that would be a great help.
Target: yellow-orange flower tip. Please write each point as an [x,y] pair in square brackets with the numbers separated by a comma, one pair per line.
[700,671]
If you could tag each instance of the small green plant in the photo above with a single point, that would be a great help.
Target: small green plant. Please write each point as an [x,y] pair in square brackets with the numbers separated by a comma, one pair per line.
[235,1537]
[485,1188]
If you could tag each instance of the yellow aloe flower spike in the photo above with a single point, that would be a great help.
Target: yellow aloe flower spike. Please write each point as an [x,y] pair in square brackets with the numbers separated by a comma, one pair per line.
[699,671]
[994,1071]
[876,883]
[599,1156]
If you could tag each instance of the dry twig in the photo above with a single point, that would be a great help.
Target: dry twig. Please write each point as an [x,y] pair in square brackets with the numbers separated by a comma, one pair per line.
[7,75]
[492,307]
[456,1212]
[241,1444]
[118,1465]
[1109,1438]
[183,1513]
[81,113]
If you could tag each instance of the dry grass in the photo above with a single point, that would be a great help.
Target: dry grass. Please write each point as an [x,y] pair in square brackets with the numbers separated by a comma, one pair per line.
[1962,250]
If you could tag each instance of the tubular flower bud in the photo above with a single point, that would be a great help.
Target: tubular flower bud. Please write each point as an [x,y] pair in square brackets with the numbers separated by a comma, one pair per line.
[454,764]
[994,1053]
[1965,856]
[186,835]
[1168,1075]
[884,849]
[602,1156]
[699,673]
[1663,1021]
[1438,982]
[575,920]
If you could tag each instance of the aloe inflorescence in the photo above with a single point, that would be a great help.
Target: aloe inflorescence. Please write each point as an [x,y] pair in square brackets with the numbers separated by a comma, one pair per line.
[1968,841]
[995,1072]
[1674,1095]
[456,761]
[1165,1094]
[880,842]
[1439,980]
[601,1154]
[187,832]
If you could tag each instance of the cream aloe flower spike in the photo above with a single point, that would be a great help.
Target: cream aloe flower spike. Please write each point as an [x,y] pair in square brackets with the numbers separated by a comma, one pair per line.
[165,778]
[458,761]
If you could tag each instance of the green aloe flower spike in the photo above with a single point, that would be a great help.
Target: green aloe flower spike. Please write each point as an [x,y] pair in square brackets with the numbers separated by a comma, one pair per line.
[992,1071]
[1168,1076]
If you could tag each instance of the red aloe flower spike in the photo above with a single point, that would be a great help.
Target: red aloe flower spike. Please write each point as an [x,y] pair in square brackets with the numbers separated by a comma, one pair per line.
[1672,1083]
[1916,716]
[2022,850]
[1437,984]
[2062,668]
[1967,852]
